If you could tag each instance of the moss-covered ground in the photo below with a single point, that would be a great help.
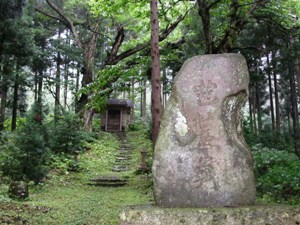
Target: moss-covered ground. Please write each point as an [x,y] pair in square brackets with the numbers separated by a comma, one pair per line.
[66,198]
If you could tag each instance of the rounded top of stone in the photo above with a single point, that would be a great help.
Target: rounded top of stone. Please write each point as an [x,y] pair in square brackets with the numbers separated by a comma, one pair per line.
[209,78]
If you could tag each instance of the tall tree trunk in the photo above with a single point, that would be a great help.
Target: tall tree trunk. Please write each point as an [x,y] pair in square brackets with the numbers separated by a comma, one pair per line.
[270,92]
[66,71]
[57,86]
[66,84]
[35,86]
[4,90]
[258,107]
[40,90]
[144,105]
[87,77]
[15,101]
[133,100]
[205,17]
[254,120]
[250,114]
[77,87]
[156,108]
[164,87]
[277,106]
[4,85]
[85,113]
[295,118]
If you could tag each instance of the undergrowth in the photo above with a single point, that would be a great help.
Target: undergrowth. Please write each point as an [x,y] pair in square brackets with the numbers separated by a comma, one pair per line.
[65,198]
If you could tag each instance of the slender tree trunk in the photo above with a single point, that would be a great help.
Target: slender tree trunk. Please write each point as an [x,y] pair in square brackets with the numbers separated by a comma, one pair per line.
[57,82]
[254,121]
[156,108]
[15,101]
[277,106]
[165,83]
[289,121]
[271,92]
[66,84]
[40,90]
[133,100]
[4,90]
[254,109]
[295,117]
[4,85]
[77,87]
[141,99]
[66,72]
[144,106]
[250,101]
[35,86]
[258,107]
[57,86]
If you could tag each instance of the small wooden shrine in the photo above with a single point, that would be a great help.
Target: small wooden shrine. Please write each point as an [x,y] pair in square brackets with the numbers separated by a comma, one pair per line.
[117,115]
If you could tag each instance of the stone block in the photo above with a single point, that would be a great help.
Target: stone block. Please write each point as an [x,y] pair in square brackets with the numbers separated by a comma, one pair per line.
[254,215]
[201,158]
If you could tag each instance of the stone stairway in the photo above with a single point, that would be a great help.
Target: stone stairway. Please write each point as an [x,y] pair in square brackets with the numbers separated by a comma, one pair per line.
[121,164]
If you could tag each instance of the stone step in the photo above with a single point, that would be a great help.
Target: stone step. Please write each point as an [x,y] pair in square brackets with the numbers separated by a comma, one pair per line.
[122,158]
[122,164]
[125,149]
[119,184]
[108,181]
[123,153]
[119,168]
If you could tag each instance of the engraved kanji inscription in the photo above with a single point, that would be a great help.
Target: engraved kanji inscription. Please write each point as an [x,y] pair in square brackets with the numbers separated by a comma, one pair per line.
[205,92]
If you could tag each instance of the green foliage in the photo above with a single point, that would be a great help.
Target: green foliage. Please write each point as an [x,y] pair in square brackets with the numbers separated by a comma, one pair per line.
[101,156]
[67,133]
[61,163]
[20,122]
[277,173]
[139,137]
[25,154]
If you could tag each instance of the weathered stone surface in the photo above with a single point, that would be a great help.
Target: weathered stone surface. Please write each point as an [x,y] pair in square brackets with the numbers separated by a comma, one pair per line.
[254,215]
[201,158]
[18,190]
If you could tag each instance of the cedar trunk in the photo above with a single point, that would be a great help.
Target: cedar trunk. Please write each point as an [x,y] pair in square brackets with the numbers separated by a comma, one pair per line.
[271,92]
[156,108]
[40,90]
[15,102]
[4,90]
[57,86]
[294,111]
[276,94]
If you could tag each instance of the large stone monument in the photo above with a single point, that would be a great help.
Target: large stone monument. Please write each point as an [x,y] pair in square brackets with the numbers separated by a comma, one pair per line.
[201,158]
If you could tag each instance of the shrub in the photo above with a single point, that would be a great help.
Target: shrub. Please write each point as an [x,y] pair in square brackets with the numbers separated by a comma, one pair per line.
[67,133]
[277,174]
[20,122]
[25,155]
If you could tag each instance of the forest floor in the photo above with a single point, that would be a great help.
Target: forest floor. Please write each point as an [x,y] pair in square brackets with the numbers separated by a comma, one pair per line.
[66,198]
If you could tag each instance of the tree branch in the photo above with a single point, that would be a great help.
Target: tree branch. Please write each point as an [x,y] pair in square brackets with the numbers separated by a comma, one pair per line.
[115,48]
[117,58]
[213,3]
[257,4]
[71,25]
[236,25]
[168,30]
[51,16]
